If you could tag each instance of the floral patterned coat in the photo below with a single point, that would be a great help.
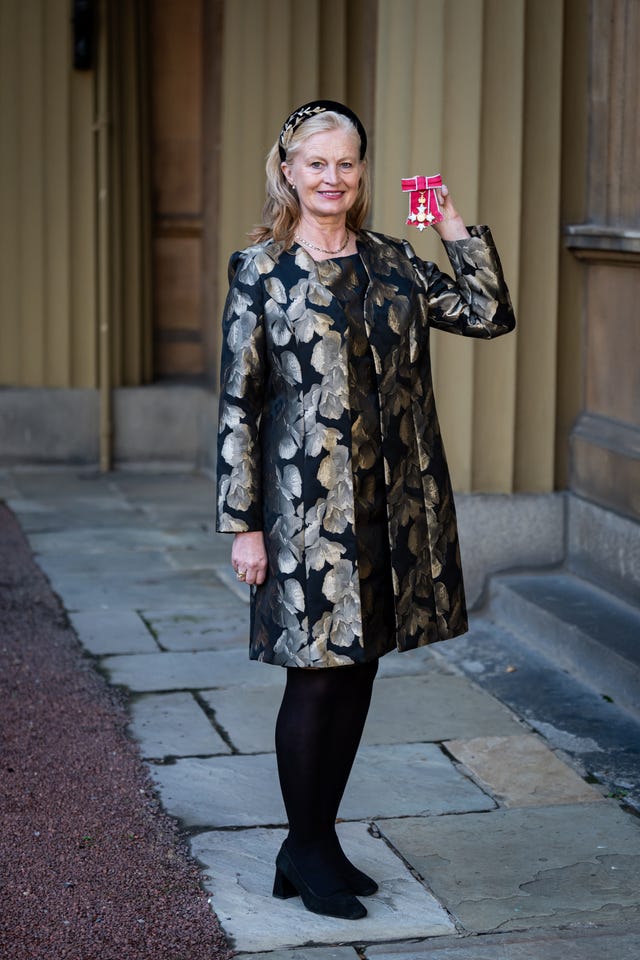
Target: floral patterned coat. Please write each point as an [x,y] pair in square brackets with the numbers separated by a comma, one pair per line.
[284,439]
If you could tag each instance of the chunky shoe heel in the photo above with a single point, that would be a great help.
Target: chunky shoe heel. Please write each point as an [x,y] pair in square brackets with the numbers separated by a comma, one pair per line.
[283,889]
[342,904]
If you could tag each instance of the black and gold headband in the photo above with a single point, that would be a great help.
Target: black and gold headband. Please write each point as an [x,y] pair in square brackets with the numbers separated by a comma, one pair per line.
[312,109]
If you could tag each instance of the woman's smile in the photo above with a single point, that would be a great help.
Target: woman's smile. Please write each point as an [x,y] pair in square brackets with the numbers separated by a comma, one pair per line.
[326,173]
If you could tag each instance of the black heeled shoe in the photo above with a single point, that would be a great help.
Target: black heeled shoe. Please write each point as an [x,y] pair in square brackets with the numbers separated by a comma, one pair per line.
[358,882]
[289,883]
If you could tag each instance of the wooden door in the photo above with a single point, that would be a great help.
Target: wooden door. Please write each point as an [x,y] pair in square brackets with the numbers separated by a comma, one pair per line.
[183,81]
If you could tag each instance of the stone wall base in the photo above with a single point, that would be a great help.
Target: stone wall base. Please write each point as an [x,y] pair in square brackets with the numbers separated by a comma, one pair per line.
[152,424]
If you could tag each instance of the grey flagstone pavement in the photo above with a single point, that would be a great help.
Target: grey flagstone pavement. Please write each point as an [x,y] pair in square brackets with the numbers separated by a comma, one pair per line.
[487,844]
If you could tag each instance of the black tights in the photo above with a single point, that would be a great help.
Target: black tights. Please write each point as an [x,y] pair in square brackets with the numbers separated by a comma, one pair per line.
[318,731]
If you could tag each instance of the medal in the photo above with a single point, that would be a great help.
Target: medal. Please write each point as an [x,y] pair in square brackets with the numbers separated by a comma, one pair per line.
[424,209]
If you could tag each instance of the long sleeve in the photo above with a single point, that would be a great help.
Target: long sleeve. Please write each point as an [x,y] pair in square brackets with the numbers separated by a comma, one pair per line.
[476,303]
[239,493]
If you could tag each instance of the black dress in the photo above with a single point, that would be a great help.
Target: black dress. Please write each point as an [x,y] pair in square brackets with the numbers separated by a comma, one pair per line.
[347,279]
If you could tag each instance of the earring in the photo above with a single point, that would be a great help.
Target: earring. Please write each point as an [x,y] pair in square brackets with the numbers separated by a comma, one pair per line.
[293,186]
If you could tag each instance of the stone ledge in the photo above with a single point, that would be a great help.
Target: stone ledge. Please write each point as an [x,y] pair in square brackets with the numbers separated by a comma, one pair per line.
[500,532]
[581,628]
[601,243]
[159,423]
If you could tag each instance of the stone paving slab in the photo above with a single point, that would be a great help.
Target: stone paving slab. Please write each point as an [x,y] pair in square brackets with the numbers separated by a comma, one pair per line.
[42,518]
[170,488]
[139,537]
[227,578]
[387,781]
[8,488]
[408,777]
[85,501]
[217,544]
[522,771]
[222,791]
[202,556]
[29,507]
[528,867]
[201,670]
[112,631]
[434,708]
[303,953]
[114,589]
[90,565]
[603,739]
[173,725]
[405,709]
[181,515]
[248,716]
[51,481]
[199,544]
[241,880]
[592,944]
[411,662]
[220,625]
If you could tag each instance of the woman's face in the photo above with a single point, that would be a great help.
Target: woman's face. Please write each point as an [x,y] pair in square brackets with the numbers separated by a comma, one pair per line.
[326,171]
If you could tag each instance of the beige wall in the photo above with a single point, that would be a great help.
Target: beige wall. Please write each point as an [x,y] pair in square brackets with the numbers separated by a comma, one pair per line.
[278,54]
[47,220]
[74,219]
[573,193]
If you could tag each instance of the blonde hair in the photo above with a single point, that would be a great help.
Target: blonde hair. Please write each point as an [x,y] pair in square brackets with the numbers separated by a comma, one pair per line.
[281,211]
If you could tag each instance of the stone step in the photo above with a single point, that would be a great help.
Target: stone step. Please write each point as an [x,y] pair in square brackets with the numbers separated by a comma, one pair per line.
[581,628]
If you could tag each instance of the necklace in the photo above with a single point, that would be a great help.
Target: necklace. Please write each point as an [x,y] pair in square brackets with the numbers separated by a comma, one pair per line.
[308,243]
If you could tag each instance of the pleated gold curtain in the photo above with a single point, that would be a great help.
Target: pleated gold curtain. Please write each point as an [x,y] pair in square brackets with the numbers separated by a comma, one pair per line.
[48,334]
[479,100]
[55,258]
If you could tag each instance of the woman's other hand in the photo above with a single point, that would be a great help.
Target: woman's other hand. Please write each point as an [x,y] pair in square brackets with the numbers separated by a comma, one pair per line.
[453,226]
[248,556]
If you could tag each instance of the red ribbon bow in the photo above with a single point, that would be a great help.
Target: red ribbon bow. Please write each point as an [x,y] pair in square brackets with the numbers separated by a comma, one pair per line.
[424,209]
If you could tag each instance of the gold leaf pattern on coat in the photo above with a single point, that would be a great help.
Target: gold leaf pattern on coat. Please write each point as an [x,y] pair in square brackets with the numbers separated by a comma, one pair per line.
[289,367]
[275,289]
[279,328]
[327,352]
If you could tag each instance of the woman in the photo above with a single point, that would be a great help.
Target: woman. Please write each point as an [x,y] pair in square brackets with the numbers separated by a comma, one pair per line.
[331,470]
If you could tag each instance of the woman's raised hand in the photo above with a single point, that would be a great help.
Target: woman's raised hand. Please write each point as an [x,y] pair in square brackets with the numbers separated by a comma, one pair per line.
[453,226]
[249,557]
